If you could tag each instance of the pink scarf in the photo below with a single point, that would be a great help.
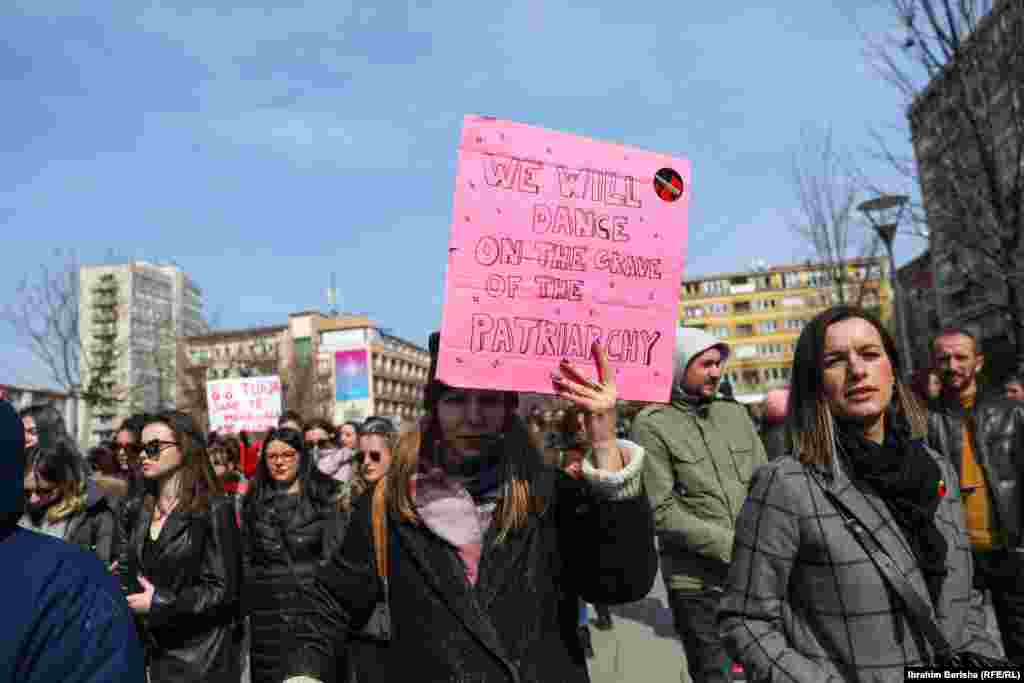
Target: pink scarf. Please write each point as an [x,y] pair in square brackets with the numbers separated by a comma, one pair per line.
[448,510]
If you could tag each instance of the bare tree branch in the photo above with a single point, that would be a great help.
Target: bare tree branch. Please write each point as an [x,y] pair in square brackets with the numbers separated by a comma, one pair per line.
[961,66]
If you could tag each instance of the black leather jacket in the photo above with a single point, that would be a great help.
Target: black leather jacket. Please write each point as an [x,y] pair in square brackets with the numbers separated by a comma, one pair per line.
[998,449]
[191,631]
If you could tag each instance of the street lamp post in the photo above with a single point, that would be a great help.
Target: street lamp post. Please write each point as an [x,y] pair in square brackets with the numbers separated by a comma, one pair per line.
[884,213]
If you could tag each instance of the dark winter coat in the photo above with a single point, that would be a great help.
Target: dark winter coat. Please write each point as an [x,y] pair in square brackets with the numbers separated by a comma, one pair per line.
[64,618]
[998,449]
[274,530]
[93,527]
[517,624]
[192,630]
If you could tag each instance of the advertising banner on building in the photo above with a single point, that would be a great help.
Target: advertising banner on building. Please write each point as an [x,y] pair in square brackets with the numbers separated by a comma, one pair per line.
[351,375]
[252,404]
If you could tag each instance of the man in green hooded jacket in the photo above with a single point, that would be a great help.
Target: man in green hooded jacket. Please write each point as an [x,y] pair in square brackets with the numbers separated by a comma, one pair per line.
[701,453]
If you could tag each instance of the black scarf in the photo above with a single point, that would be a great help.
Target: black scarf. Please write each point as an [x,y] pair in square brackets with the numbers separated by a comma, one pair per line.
[903,475]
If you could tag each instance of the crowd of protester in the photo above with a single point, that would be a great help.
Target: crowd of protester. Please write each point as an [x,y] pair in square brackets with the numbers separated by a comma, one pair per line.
[470,545]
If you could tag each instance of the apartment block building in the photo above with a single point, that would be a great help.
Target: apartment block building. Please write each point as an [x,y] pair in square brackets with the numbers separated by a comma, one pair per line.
[761,313]
[344,367]
[965,128]
[130,316]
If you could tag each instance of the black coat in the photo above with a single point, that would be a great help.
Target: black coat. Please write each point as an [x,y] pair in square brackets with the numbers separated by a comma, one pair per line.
[192,630]
[518,623]
[93,527]
[998,449]
[274,529]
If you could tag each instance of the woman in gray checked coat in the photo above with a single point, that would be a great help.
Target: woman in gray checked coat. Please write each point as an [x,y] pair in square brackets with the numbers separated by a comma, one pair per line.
[804,601]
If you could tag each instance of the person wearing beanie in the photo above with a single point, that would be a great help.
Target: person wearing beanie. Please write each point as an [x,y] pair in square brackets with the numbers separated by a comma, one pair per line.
[65,618]
[773,434]
[484,551]
[702,451]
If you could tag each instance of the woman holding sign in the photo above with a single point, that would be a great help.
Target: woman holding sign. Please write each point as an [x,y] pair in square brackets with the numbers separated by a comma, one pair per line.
[181,562]
[478,552]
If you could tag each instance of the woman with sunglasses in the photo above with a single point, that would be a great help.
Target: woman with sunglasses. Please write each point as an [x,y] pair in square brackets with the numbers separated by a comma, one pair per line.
[289,520]
[377,438]
[487,550]
[183,540]
[321,442]
[58,502]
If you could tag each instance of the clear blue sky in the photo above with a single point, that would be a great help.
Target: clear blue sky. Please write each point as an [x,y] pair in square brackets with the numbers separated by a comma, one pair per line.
[264,147]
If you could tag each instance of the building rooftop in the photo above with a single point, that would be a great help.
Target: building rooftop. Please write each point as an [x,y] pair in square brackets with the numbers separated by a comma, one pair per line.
[807,265]
[222,335]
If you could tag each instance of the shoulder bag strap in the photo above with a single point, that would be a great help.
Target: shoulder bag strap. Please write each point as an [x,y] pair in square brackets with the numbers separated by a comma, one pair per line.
[917,607]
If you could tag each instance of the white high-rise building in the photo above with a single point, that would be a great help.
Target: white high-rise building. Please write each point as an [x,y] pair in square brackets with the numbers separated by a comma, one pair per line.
[130,318]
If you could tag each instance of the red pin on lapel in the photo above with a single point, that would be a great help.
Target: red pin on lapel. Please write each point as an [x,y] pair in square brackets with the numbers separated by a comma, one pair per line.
[942,488]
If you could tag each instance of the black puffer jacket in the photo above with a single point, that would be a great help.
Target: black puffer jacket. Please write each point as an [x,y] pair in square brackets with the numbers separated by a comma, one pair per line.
[275,529]
[192,632]
[998,449]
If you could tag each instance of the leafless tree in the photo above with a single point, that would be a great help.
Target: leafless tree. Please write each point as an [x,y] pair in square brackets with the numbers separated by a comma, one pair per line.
[827,189]
[45,315]
[960,66]
[306,389]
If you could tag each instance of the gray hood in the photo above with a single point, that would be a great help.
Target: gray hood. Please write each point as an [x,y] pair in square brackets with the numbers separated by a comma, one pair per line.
[690,343]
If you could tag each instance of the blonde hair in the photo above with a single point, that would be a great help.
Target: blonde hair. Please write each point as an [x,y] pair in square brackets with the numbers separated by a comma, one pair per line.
[72,501]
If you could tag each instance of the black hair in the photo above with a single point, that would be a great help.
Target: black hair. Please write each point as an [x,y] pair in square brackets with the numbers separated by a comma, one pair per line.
[315,487]
[289,416]
[133,425]
[50,425]
[953,331]
[319,423]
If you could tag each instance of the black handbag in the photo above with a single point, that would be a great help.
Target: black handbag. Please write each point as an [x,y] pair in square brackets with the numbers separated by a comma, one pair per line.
[920,615]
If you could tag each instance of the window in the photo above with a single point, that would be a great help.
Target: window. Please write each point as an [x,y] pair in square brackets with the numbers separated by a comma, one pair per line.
[744,330]
[303,349]
[720,332]
[791,280]
[795,324]
[768,326]
[741,307]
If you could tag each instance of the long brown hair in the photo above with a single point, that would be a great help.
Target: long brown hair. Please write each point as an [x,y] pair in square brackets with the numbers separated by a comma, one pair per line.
[199,483]
[809,421]
[527,482]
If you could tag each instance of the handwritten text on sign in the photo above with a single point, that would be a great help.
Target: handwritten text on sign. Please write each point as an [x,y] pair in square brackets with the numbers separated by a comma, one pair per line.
[252,404]
[559,241]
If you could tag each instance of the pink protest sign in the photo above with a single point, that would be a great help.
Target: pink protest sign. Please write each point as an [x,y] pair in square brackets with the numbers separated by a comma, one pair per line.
[558,241]
[252,404]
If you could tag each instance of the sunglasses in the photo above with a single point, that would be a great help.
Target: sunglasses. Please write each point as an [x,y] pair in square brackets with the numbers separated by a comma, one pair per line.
[321,444]
[375,456]
[153,449]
